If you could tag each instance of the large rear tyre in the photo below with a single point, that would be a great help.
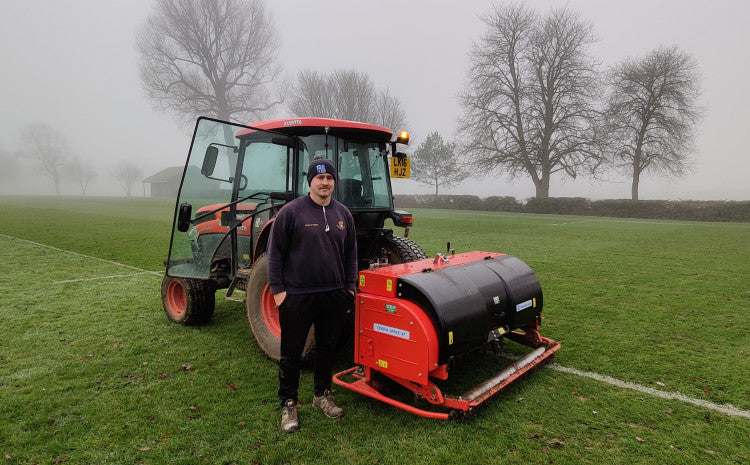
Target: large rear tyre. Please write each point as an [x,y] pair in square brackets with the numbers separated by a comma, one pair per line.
[263,315]
[402,250]
[188,301]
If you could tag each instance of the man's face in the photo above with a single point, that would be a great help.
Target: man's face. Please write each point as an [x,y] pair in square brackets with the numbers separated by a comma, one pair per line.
[322,186]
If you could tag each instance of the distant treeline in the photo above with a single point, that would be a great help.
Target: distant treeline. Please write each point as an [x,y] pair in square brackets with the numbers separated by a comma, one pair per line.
[686,210]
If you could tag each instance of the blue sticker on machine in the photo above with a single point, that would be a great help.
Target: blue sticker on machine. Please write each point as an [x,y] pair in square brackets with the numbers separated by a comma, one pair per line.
[523,305]
[403,334]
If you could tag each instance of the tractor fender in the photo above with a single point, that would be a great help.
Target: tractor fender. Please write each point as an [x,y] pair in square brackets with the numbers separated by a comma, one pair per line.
[261,244]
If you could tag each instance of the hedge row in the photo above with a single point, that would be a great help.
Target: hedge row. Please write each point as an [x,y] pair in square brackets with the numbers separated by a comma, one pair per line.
[687,210]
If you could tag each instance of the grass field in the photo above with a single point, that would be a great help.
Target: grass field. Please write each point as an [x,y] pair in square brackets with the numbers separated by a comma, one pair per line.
[91,371]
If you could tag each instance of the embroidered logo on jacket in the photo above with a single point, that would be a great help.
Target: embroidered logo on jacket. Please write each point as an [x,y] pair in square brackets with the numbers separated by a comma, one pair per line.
[341,225]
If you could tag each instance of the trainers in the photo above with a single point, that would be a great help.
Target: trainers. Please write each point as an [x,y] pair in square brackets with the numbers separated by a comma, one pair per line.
[325,403]
[289,420]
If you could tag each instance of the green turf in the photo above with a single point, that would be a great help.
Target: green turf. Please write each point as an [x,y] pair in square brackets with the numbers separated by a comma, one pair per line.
[91,371]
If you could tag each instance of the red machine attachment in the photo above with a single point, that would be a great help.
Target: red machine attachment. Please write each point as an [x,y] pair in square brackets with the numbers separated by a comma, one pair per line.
[413,319]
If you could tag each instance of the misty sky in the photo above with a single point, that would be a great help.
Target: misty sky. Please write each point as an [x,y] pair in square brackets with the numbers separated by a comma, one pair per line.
[72,64]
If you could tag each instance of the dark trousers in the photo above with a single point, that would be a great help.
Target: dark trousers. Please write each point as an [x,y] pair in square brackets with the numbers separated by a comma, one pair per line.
[327,311]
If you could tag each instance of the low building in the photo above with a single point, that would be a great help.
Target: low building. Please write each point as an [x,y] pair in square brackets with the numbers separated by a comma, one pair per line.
[165,183]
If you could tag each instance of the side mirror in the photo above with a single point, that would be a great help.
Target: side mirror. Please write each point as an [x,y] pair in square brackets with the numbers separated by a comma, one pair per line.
[183,217]
[209,161]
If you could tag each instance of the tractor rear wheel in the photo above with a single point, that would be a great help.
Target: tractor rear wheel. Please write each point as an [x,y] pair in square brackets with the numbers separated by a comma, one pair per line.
[188,301]
[402,250]
[263,315]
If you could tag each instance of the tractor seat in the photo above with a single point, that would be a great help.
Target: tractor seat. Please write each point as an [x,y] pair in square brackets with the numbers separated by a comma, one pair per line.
[350,191]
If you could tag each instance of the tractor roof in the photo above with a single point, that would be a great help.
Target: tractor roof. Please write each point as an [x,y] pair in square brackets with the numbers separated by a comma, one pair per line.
[307,126]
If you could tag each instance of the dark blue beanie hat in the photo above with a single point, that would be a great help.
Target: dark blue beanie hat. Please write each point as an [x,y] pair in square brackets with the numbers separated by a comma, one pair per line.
[320,165]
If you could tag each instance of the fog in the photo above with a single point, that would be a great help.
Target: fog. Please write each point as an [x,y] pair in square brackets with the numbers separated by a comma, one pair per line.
[73,65]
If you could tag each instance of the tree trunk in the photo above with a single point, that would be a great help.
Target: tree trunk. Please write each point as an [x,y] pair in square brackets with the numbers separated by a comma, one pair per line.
[542,187]
[636,168]
[634,187]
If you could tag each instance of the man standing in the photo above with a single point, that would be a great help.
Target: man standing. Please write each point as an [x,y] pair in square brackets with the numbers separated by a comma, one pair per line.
[312,273]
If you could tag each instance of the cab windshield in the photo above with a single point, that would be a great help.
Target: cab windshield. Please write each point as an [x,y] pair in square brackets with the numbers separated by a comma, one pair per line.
[362,182]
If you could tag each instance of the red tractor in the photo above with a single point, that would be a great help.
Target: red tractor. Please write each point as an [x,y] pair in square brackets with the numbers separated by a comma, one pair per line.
[237,178]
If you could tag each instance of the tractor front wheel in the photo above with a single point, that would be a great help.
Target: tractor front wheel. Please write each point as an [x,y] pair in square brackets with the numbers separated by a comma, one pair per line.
[188,301]
[402,250]
[263,315]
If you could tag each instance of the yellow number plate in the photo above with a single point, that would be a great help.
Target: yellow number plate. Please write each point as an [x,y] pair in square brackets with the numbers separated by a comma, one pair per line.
[400,167]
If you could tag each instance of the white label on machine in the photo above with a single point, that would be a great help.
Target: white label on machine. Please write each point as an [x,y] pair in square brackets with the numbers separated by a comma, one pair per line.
[403,334]
[523,305]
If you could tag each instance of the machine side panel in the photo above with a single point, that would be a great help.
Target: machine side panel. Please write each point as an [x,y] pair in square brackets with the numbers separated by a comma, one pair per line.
[395,337]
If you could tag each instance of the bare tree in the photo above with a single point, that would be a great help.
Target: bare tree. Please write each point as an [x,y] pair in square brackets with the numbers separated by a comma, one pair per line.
[127,174]
[345,94]
[653,111]
[389,112]
[353,95]
[49,147]
[81,173]
[311,96]
[529,105]
[209,57]
[435,163]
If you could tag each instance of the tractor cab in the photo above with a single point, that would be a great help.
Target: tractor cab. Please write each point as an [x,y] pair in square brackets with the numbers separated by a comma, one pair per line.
[237,178]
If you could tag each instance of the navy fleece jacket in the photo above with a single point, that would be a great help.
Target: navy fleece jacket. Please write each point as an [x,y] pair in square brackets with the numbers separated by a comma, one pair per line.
[303,257]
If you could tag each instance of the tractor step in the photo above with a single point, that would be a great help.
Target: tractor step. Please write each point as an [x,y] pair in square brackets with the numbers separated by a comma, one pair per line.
[230,291]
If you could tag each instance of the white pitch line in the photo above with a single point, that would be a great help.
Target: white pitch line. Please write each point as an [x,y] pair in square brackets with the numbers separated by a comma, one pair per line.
[727,409]
[569,222]
[39,244]
[102,277]
[649,222]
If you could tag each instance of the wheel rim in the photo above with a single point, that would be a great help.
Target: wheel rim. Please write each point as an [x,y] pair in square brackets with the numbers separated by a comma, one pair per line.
[270,312]
[176,300]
